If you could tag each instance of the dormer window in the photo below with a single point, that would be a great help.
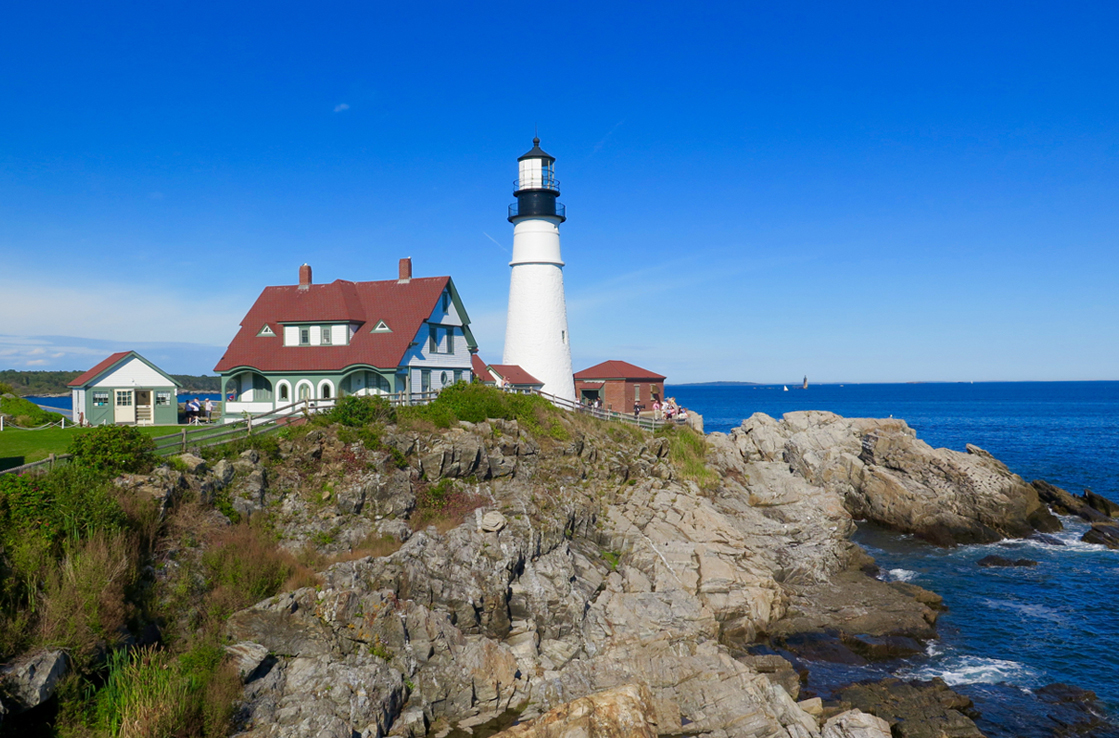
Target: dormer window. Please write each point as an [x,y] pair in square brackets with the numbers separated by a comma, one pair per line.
[326,335]
[266,331]
[304,336]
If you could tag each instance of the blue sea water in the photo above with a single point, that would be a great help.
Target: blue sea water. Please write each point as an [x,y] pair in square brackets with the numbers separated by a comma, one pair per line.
[1020,628]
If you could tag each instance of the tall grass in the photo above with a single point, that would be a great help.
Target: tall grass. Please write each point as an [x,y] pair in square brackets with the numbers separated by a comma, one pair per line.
[687,450]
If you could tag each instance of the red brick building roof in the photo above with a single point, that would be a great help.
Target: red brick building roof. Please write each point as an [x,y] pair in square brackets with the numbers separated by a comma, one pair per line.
[618,370]
[402,305]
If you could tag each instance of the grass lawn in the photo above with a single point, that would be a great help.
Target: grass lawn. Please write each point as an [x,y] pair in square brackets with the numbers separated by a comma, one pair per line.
[24,446]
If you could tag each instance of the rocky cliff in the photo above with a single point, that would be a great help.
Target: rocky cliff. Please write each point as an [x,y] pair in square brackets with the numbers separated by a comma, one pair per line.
[598,585]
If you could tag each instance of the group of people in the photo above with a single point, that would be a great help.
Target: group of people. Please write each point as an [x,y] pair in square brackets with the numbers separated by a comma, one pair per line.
[669,410]
[196,412]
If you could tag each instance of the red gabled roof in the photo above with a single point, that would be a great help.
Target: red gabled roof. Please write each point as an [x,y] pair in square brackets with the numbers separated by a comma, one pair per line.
[618,370]
[479,368]
[404,306]
[84,379]
[513,374]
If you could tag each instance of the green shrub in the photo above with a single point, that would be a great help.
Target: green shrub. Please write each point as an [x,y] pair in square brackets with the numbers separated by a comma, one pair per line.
[359,411]
[476,402]
[114,448]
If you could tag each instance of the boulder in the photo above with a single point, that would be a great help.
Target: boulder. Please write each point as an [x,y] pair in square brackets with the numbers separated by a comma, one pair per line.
[249,658]
[622,712]
[194,464]
[1064,503]
[855,724]
[915,709]
[31,679]
[492,522]
[994,560]
[1103,534]
[1101,504]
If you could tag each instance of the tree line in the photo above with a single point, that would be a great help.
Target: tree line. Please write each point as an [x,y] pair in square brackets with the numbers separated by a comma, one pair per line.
[25,383]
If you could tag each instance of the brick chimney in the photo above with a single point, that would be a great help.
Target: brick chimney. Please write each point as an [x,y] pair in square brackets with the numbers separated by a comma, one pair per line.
[405,270]
[304,277]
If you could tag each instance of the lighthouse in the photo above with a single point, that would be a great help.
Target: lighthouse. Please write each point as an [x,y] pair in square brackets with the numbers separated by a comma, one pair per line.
[536,336]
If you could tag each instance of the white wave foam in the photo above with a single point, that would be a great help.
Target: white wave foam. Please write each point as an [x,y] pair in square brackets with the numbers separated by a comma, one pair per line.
[975,670]
[1032,611]
[900,575]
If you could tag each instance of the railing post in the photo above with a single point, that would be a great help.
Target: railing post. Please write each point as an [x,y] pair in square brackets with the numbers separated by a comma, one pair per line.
[52,462]
[248,426]
[184,441]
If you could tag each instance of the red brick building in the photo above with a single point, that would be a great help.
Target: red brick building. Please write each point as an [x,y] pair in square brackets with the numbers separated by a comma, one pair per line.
[619,384]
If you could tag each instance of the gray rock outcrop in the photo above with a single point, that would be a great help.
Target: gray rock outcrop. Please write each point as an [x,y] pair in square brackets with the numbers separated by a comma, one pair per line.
[598,582]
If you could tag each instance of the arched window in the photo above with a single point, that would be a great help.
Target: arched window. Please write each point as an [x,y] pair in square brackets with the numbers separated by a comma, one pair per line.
[326,390]
[284,390]
[304,391]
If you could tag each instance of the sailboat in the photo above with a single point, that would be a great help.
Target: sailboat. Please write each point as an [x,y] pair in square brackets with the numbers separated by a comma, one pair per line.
[785,388]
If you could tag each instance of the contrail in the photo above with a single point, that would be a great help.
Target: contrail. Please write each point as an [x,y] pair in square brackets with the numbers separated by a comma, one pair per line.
[495,241]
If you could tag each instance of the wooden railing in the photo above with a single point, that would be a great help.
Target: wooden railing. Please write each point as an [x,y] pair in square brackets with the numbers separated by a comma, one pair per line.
[204,436]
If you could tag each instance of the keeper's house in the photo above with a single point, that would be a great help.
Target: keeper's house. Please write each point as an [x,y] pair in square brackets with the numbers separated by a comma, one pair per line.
[125,388]
[619,385]
[322,341]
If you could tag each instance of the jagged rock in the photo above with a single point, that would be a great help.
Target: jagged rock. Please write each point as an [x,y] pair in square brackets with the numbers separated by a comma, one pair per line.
[248,658]
[622,712]
[492,522]
[778,670]
[915,709]
[1048,540]
[31,679]
[1064,503]
[993,560]
[350,499]
[573,583]
[224,471]
[1103,534]
[391,494]
[194,464]
[855,724]
[886,475]
[1101,504]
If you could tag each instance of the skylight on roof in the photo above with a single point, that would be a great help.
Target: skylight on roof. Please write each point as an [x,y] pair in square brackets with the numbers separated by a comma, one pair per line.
[381,327]
[266,331]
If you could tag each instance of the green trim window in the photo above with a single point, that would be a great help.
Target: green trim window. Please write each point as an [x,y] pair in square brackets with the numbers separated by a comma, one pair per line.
[450,340]
[425,380]
[163,398]
[637,393]
[432,339]
[304,336]
[284,392]
[458,375]
[100,398]
[326,335]
[124,398]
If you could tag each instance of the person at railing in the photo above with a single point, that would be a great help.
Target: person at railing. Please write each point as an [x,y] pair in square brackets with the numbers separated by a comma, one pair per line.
[209,410]
[656,409]
[192,410]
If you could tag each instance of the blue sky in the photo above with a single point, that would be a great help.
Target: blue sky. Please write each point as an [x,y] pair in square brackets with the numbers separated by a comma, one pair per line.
[755,191]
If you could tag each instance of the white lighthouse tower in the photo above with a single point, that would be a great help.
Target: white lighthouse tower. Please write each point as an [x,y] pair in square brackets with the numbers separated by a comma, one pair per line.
[536,336]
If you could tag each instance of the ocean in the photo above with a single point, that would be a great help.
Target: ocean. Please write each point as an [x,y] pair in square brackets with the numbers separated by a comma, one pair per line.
[1008,631]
